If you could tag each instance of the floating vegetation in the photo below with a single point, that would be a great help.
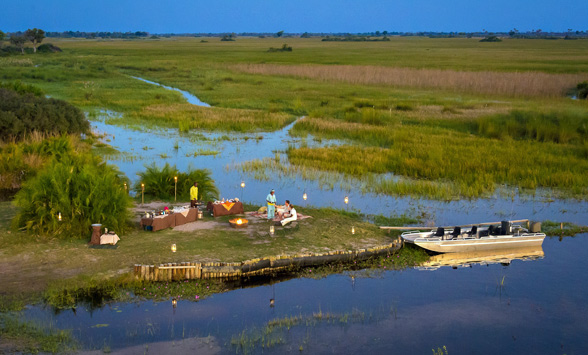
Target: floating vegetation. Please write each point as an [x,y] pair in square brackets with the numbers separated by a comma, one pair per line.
[202,152]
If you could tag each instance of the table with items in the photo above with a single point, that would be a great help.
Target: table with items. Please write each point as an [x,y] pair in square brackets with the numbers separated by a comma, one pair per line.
[155,221]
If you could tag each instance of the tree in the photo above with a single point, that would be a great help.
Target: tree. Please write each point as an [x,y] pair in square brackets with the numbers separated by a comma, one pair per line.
[279,34]
[35,36]
[18,41]
[2,35]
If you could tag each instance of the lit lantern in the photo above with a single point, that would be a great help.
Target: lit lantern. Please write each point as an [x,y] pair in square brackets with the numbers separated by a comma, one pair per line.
[199,214]
[142,187]
[352,230]
[125,187]
[243,184]
[346,200]
[173,248]
[272,230]
[59,216]
[304,196]
[175,188]
[142,193]
[174,303]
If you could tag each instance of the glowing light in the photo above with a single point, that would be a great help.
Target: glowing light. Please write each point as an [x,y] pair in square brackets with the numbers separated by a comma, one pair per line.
[272,230]
[304,196]
[175,178]
[142,186]
[352,230]
[239,221]
[173,248]
[199,214]
[59,216]
[243,184]
[346,200]
[174,303]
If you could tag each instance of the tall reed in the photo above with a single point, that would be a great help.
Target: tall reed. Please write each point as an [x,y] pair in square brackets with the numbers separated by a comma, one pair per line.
[483,82]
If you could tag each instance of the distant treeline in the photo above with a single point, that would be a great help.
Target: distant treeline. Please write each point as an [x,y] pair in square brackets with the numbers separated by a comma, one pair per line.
[355,39]
[343,36]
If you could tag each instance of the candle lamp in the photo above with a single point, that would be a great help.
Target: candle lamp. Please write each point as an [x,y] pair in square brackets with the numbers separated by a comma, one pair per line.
[175,188]
[174,303]
[352,230]
[304,196]
[272,230]
[59,216]
[346,200]
[243,184]
[199,214]
[173,248]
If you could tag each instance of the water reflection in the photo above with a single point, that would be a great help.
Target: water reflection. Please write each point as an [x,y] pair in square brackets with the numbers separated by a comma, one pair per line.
[487,257]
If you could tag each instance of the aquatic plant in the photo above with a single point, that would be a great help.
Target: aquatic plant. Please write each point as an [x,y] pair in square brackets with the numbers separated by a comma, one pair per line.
[69,195]
[21,336]
[159,183]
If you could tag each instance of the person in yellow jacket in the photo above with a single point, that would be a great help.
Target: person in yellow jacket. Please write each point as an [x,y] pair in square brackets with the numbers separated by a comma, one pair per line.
[194,194]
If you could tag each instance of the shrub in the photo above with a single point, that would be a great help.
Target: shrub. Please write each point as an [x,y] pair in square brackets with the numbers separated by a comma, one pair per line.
[491,39]
[22,88]
[83,188]
[22,114]
[582,90]
[159,182]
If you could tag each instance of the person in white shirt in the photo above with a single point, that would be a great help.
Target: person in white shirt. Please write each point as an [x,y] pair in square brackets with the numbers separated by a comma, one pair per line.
[292,214]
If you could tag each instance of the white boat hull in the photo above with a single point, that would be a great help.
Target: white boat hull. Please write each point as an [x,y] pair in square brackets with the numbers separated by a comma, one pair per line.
[474,244]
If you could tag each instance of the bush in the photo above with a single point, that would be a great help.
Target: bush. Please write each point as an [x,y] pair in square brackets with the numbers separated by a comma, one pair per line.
[159,183]
[83,188]
[491,39]
[582,90]
[23,113]
[48,48]
[21,161]
[22,88]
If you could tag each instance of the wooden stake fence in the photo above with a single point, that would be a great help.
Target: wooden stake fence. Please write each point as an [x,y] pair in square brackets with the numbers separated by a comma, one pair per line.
[196,270]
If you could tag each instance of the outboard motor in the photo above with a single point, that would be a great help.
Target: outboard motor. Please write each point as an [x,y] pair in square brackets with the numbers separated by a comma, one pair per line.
[506,227]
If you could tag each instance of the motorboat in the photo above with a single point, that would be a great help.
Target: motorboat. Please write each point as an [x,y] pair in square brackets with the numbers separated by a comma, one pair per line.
[474,238]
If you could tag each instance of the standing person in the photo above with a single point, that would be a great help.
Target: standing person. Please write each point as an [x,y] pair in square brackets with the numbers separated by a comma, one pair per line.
[194,194]
[271,204]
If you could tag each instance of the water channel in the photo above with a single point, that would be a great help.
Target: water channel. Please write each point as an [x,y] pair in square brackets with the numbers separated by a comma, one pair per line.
[525,305]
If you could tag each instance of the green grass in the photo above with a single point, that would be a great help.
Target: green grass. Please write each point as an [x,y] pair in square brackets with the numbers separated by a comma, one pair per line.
[28,337]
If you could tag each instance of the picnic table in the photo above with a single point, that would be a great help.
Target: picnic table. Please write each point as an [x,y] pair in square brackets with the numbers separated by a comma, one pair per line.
[226,208]
[170,220]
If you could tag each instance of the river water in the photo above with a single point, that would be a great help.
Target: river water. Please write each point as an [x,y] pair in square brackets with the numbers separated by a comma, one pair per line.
[529,306]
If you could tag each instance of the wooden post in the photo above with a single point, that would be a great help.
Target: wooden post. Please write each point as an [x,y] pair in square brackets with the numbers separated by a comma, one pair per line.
[198,270]
[137,271]
[143,272]
[156,274]
[169,273]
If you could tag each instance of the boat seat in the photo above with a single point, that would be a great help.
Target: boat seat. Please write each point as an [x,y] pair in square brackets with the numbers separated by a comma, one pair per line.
[440,232]
[474,232]
[456,232]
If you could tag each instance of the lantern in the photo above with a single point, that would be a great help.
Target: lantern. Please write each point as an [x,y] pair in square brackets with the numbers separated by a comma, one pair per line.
[142,193]
[173,248]
[59,216]
[346,200]
[243,184]
[304,196]
[175,188]
[199,214]
[352,230]
[272,230]
[174,303]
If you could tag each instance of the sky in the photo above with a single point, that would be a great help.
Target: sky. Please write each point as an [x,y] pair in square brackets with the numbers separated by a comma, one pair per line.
[294,16]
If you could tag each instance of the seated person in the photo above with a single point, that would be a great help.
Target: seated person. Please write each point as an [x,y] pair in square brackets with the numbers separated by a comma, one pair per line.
[283,210]
[292,214]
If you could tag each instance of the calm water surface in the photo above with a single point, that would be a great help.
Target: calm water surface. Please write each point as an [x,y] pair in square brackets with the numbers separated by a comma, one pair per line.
[537,306]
